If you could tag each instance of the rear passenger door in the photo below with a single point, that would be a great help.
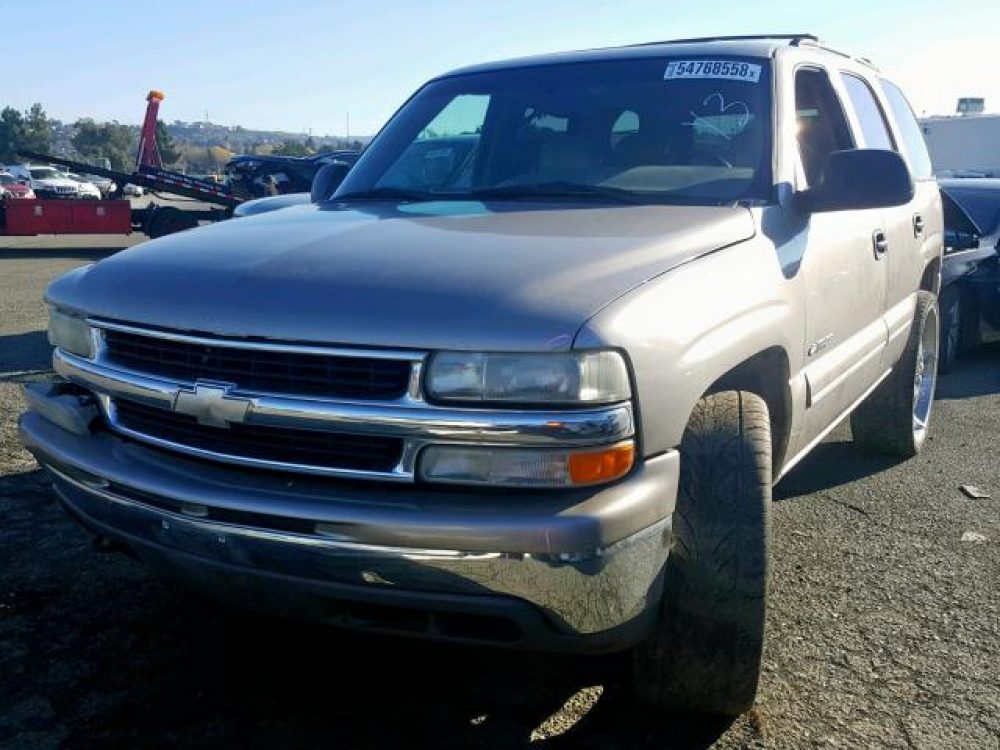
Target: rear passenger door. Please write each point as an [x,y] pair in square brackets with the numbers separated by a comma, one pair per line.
[901,225]
[916,231]
[845,279]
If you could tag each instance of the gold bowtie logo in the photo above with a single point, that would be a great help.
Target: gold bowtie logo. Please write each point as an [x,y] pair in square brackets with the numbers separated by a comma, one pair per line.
[211,405]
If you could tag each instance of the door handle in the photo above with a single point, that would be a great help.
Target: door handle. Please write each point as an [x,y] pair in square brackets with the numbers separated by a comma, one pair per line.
[918,225]
[880,243]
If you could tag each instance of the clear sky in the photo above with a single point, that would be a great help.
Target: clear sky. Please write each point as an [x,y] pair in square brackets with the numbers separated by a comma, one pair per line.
[300,64]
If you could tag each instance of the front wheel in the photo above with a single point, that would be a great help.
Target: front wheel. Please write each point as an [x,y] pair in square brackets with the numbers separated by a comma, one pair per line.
[895,416]
[705,654]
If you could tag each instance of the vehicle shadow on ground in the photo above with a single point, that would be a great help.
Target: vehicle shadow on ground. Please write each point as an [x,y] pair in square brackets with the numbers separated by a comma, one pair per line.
[23,355]
[976,374]
[100,653]
[59,253]
[830,465]
[394,692]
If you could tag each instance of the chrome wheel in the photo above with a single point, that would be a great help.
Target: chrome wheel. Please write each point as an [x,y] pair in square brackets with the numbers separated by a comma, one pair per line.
[925,375]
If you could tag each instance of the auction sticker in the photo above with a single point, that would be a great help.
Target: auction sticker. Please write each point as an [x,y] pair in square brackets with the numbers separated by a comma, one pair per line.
[731,70]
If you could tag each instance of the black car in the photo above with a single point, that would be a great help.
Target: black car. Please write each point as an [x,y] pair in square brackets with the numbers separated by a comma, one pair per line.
[970,274]
[252,176]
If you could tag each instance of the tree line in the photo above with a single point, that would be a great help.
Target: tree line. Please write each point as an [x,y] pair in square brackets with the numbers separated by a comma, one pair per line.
[92,141]
[115,143]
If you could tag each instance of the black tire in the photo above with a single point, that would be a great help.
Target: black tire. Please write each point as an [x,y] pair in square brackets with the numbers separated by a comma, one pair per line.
[706,652]
[168,221]
[952,328]
[886,422]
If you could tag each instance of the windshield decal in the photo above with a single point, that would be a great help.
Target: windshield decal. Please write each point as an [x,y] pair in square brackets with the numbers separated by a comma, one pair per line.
[731,70]
[722,119]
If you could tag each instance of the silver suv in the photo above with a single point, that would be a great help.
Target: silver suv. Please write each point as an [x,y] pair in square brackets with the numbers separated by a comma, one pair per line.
[528,375]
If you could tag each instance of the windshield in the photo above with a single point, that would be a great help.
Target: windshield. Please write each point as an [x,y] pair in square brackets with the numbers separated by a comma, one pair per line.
[649,130]
[46,173]
[6,179]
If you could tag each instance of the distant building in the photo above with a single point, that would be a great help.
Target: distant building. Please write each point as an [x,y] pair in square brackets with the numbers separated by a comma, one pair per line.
[966,144]
[970,105]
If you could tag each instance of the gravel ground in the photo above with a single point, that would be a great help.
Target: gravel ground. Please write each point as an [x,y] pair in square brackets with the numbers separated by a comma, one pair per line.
[884,623]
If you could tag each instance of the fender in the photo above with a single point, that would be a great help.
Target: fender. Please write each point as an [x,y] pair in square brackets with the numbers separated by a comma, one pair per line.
[688,328]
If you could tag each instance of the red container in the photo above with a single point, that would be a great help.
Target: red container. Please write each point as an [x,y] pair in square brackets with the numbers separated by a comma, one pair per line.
[26,217]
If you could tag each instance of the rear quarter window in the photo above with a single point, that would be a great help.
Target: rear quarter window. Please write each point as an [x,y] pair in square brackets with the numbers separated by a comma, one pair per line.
[914,147]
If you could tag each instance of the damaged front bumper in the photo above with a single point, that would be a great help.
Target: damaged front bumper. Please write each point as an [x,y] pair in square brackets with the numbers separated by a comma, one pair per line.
[576,570]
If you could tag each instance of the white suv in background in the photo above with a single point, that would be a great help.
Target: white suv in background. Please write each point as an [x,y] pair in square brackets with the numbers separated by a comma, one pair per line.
[85,188]
[47,182]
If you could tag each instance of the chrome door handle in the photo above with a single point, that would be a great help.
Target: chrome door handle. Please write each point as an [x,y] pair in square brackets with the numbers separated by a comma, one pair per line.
[880,243]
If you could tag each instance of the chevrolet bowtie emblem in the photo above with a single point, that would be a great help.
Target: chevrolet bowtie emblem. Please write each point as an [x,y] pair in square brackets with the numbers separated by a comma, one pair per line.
[211,405]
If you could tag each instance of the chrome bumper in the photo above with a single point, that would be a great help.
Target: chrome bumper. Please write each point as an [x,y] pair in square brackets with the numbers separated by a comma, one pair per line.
[589,560]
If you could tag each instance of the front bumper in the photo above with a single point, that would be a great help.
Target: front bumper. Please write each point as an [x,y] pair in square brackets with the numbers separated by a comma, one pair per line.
[569,570]
[52,194]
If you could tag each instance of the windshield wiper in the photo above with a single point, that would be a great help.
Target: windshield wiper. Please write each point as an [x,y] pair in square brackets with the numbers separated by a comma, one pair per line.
[556,190]
[388,193]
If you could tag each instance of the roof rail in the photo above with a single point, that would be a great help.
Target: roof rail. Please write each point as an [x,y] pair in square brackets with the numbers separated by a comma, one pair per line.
[794,39]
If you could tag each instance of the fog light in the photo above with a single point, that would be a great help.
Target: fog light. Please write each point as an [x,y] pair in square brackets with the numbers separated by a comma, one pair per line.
[525,467]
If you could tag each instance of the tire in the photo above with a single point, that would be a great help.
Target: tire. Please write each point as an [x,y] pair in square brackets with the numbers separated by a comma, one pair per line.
[168,221]
[951,310]
[893,420]
[705,654]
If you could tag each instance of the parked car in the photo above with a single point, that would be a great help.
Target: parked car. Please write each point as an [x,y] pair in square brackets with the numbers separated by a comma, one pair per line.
[85,188]
[252,176]
[527,377]
[135,190]
[106,185]
[970,296]
[325,182]
[13,187]
[45,181]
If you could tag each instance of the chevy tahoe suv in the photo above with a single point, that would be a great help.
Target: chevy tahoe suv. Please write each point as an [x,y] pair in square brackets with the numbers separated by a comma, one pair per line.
[527,376]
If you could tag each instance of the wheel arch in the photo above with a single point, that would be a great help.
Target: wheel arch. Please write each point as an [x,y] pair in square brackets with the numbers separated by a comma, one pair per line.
[930,281]
[767,375]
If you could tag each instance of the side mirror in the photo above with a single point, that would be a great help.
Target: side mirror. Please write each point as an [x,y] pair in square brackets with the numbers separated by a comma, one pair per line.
[860,178]
[22,181]
[328,179]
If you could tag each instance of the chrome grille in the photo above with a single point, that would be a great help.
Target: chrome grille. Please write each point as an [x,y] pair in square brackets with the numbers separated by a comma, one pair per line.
[265,369]
[331,450]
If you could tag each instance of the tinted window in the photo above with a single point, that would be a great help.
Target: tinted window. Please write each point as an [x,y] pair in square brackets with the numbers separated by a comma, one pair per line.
[600,128]
[822,125]
[983,206]
[914,147]
[874,129]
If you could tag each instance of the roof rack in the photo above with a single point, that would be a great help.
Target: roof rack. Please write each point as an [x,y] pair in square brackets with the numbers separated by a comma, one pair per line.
[794,39]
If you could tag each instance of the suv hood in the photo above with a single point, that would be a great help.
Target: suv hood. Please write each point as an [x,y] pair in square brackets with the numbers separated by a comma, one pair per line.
[442,275]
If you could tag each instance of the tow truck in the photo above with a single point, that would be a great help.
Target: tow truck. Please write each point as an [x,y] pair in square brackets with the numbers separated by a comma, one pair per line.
[115,215]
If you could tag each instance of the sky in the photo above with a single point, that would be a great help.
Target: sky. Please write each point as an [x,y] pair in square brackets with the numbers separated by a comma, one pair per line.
[301,65]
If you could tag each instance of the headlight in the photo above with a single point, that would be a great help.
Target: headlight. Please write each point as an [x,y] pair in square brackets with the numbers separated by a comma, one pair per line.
[520,467]
[71,334]
[597,377]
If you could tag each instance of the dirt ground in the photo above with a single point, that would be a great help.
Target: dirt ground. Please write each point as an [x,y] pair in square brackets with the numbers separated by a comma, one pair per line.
[884,627]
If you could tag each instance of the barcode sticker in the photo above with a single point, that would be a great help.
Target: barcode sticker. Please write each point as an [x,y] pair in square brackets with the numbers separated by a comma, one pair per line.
[731,70]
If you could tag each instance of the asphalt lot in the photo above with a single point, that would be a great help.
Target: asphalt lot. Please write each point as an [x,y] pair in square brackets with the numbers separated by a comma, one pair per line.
[884,628]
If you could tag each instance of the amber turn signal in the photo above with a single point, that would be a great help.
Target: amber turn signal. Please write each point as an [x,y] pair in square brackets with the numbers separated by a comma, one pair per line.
[601,466]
